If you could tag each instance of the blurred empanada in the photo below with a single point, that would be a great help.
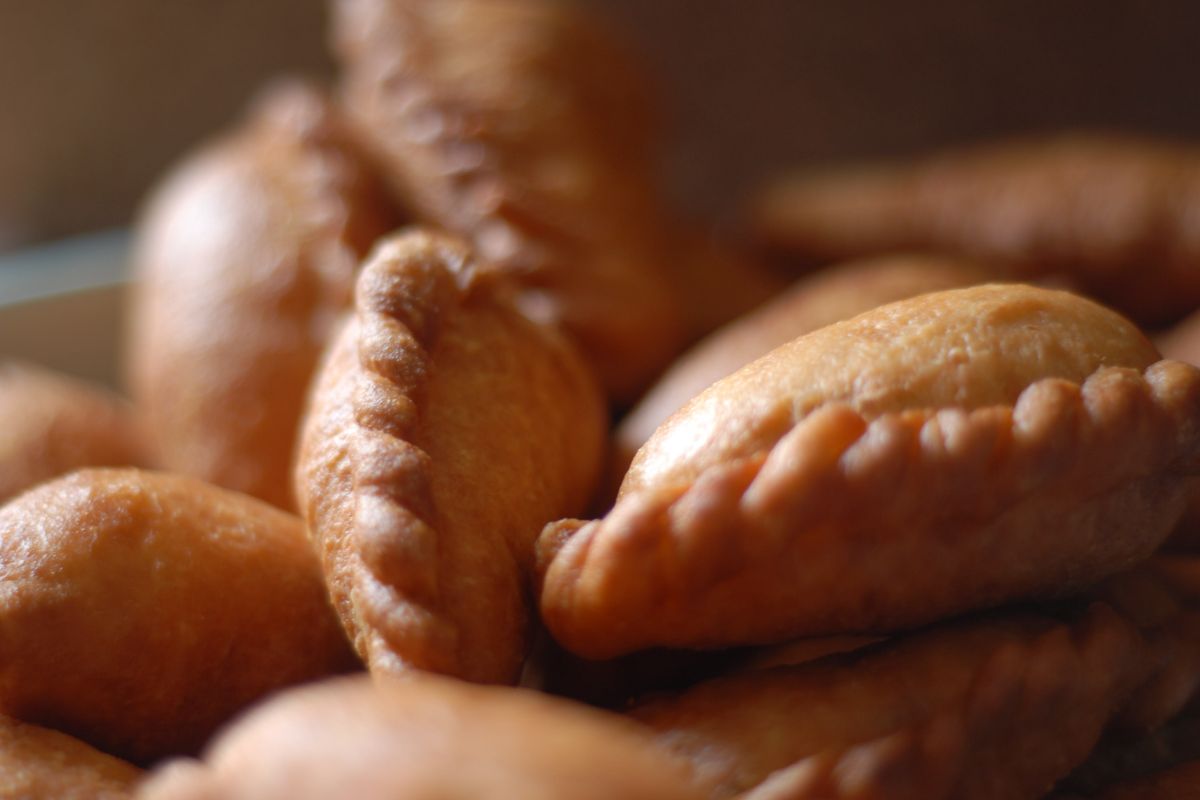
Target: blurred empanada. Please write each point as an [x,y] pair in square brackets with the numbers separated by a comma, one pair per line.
[40,764]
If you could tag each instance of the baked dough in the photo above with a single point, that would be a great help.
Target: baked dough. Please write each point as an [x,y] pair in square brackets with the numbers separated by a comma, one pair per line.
[426,738]
[41,764]
[524,127]
[446,429]
[245,261]
[953,451]
[1116,214]
[51,424]
[139,610]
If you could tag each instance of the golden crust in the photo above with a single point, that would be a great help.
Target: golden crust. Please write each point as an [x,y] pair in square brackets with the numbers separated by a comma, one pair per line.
[445,430]
[522,126]
[141,610]
[426,739]
[1116,214]
[999,707]
[53,424]
[864,505]
[41,764]
[245,261]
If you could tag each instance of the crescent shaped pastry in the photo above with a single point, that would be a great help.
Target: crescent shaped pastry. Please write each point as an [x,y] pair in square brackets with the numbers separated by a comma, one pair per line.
[446,429]
[525,128]
[41,764]
[1116,214]
[426,738]
[827,297]
[245,260]
[51,424]
[999,706]
[140,610]
[948,452]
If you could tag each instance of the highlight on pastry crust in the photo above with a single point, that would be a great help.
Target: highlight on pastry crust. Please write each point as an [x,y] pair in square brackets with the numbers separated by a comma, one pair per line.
[245,260]
[525,128]
[827,297]
[953,451]
[40,764]
[1114,213]
[445,430]
[1002,705]
[141,610]
[53,424]
[427,738]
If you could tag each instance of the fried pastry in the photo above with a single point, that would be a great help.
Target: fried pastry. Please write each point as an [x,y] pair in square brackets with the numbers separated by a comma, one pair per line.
[884,472]
[426,738]
[825,298]
[1116,214]
[245,260]
[41,764]
[1182,342]
[141,610]
[51,424]
[446,429]
[999,707]
[525,128]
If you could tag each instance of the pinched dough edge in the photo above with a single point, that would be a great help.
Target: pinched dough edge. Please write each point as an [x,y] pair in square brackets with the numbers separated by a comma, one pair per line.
[666,560]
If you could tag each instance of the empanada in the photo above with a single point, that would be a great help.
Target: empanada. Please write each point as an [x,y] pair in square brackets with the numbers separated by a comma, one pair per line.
[245,260]
[446,429]
[40,764]
[1116,214]
[140,610]
[51,424]
[524,127]
[825,298]
[999,706]
[426,738]
[948,452]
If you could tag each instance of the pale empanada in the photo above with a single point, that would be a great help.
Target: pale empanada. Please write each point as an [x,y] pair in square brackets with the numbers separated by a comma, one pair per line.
[139,610]
[825,298]
[524,127]
[427,738]
[40,764]
[1116,214]
[446,429]
[999,706]
[245,261]
[51,424]
[948,452]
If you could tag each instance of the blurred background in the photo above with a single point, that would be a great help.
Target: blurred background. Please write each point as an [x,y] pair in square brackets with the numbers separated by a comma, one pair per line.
[99,96]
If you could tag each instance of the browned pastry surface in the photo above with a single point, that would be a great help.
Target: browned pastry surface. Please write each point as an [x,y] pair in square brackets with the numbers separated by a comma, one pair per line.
[1116,214]
[1182,343]
[446,430]
[426,738]
[140,610]
[885,472]
[524,127]
[41,764]
[51,424]
[830,296]
[245,260]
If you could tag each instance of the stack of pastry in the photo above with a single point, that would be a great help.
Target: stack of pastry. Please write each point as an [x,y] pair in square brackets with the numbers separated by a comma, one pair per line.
[908,528]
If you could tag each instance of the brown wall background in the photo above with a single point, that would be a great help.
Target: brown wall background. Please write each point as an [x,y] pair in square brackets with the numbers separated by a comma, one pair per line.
[97,96]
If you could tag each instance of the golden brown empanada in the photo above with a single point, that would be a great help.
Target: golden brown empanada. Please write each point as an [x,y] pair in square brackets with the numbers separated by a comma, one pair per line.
[40,764]
[948,452]
[1002,705]
[140,610]
[51,424]
[524,127]
[446,429]
[1116,214]
[245,261]
[830,296]
[426,738]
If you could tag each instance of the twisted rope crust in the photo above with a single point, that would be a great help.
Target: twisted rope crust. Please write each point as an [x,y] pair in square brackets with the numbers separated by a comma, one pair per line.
[530,168]
[849,524]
